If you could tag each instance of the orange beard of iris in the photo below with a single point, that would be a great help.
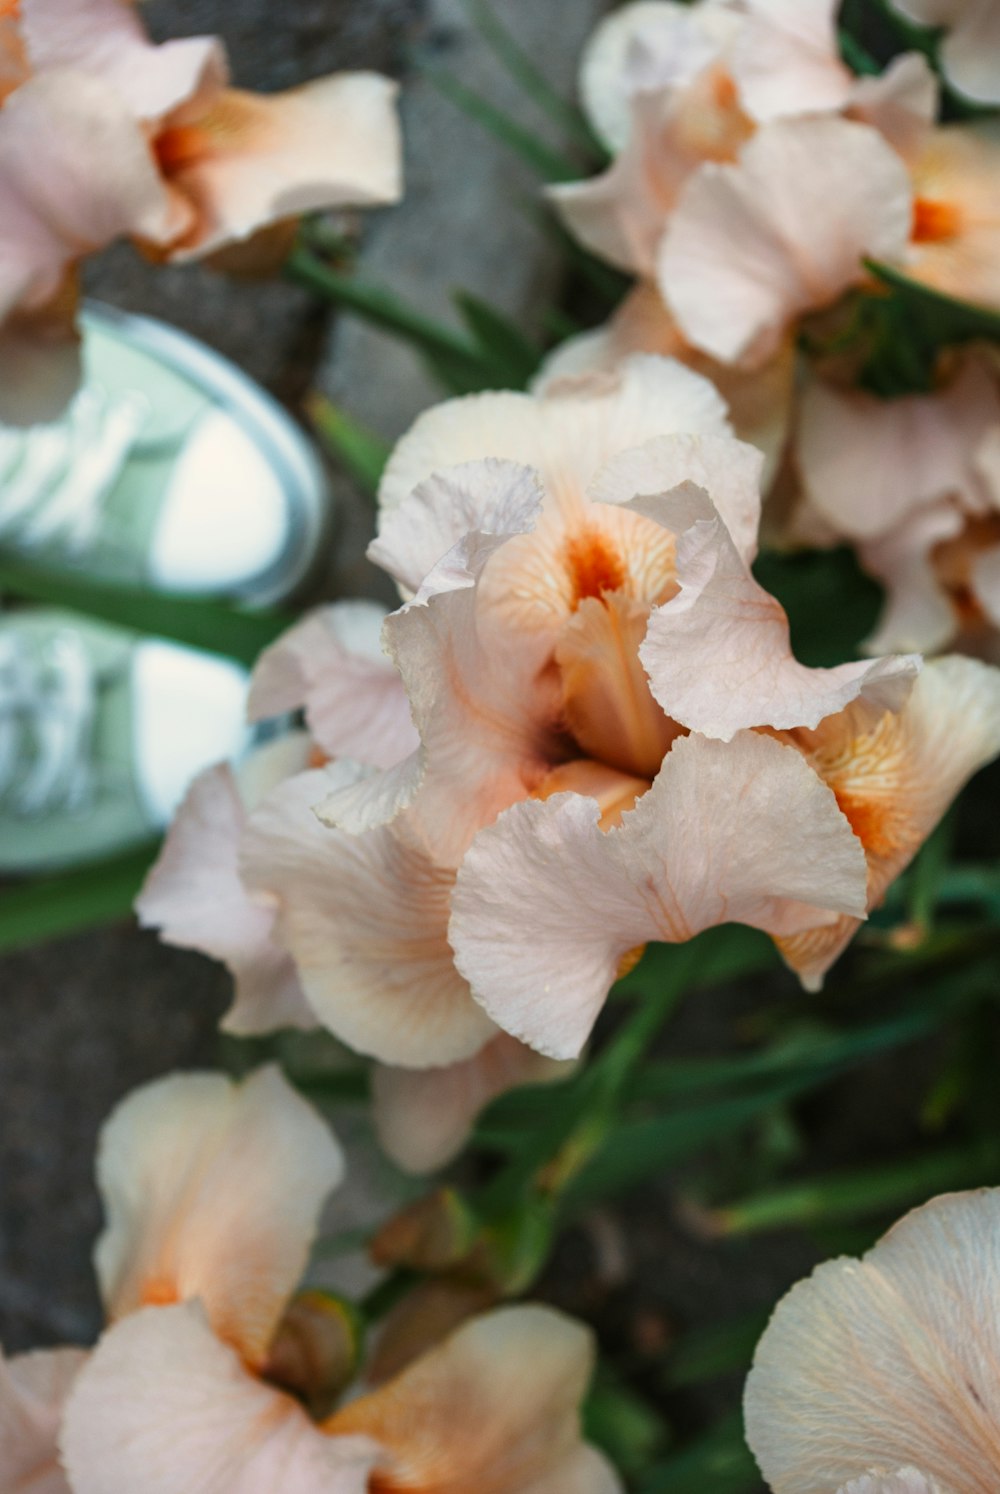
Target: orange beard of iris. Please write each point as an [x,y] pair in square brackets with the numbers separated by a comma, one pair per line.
[934,220]
[594,566]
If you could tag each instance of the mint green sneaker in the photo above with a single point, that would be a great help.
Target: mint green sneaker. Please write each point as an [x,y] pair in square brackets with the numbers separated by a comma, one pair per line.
[170,470]
[101,731]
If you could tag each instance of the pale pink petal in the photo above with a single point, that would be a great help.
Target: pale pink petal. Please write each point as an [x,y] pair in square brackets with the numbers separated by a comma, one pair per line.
[166,1408]
[647,41]
[784,231]
[785,59]
[33,1391]
[867,464]
[494,1408]
[488,497]
[904,1481]
[566,436]
[727,471]
[956,238]
[890,1361]
[254,159]
[546,904]
[423,1116]
[213,1190]
[918,612]
[760,401]
[365,918]
[194,896]
[484,713]
[332,664]
[105,38]
[895,779]
[969,54]
[360,797]
[901,103]
[719,654]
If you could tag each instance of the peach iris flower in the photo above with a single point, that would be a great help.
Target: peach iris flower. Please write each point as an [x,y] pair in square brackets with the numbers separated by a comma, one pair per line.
[104,134]
[213,1192]
[880,1375]
[971,43]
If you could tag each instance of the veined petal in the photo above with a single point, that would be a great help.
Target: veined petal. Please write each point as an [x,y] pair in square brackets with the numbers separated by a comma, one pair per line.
[759,401]
[33,1391]
[546,904]
[867,464]
[213,1191]
[254,159]
[719,654]
[895,779]
[495,1408]
[728,471]
[165,1407]
[332,664]
[887,1361]
[785,59]
[195,898]
[904,1481]
[365,918]
[785,230]
[423,1116]
[105,39]
[565,436]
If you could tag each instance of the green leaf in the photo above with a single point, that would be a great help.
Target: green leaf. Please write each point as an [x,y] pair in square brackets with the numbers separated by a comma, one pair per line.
[449,349]
[535,85]
[624,1426]
[512,355]
[190,620]
[636,1149]
[49,907]
[362,452]
[717,1463]
[550,164]
[718,1349]
[933,317]
[850,1195]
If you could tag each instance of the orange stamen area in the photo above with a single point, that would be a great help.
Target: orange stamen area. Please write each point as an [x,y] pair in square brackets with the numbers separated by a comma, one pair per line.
[724,92]
[594,566]
[159,1291]
[181,146]
[935,219]
[629,960]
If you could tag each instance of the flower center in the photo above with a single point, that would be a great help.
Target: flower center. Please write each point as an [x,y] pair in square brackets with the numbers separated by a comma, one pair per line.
[934,220]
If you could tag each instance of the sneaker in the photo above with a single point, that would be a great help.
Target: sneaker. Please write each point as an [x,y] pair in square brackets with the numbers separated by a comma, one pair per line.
[101,731]
[170,470]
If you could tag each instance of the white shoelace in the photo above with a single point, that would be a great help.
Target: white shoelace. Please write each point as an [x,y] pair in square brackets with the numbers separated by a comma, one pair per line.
[48,710]
[54,479]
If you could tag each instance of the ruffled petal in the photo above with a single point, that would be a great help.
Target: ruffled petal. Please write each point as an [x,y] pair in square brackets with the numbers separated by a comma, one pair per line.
[759,402]
[969,54]
[164,1407]
[894,780]
[252,159]
[918,612]
[867,464]
[105,39]
[547,904]
[495,1408]
[423,1116]
[719,655]
[566,436]
[365,918]
[901,103]
[889,1361]
[785,59]
[903,1481]
[956,248]
[195,898]
[332,664]
[213,1191]
[785,230]
[33,1391]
